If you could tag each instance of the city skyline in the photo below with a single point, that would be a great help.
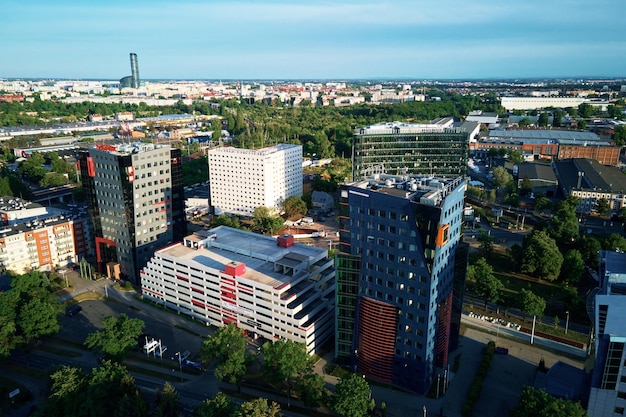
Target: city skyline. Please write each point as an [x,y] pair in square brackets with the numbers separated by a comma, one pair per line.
[275,39]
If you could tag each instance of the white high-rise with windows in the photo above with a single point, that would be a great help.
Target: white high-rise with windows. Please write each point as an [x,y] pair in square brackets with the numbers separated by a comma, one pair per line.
[243,179]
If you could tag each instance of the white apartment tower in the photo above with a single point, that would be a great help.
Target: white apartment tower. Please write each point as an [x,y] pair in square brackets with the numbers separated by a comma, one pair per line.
[243,179]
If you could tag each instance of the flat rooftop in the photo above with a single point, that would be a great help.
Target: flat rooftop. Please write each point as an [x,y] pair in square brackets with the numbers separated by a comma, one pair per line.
[258,252]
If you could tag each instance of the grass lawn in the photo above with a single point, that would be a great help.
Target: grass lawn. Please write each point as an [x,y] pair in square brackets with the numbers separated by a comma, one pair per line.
[559,298]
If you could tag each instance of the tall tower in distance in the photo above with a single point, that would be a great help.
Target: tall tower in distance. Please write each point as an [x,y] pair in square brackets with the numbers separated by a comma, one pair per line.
[134,70]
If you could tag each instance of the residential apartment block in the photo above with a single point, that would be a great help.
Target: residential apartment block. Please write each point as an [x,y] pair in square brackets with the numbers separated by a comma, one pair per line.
[243,179]
[268,287]
[438,148]
[400,277]
[135,197]
[44,244]
[608,382]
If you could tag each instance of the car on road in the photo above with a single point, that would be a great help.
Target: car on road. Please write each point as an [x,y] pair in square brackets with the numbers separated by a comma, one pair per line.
[73,310]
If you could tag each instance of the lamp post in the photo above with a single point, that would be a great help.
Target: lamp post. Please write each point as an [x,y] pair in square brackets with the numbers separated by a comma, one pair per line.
[566,321]
[180,365]
[63,272]
[425,411]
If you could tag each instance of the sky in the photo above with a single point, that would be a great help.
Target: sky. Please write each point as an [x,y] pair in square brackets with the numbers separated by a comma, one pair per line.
[312,39]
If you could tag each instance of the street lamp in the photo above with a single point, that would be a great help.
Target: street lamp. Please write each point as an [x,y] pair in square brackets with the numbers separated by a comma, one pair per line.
[566,321]
[180,365]
[424,410]
[63,272]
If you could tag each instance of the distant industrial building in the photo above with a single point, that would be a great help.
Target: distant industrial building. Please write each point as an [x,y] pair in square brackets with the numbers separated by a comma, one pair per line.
[268,287]
[591,181]
[243,179]
[438,148]
[531,103]
[132,81]
[400,277]
[135,197]
[608,381]
[550,144]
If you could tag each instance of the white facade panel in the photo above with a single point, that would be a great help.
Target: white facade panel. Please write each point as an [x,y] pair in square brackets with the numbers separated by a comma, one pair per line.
[242,180]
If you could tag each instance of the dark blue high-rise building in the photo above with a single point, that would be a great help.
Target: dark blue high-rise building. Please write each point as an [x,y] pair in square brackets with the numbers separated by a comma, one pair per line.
[400,277]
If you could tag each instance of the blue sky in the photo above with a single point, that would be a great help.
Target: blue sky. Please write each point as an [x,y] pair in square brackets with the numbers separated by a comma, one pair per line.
[280,39]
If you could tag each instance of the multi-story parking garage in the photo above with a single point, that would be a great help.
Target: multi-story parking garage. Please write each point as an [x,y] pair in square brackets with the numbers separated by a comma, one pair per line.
[269,287]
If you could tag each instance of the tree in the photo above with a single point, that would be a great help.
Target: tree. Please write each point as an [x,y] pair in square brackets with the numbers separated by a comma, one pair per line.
[167,404]
[614,242]
[537,403]
[117,337]
[531,304]
[352,396]
[109,390]
[541,256]
[486,285]
[525,186]
[524,122]
[264,221]
[294,206]
[258,408]
[557,117]
[564,223]
[216,128]
[543,120]
[501,177]
[602,206]
[586,110]
[542,203]
[573,266]
[486,244]
[218,406]
[285,361]
[619,135]
[227,347]
[589,247]
[311,389]
[226,220]
[29,311]
[516,156]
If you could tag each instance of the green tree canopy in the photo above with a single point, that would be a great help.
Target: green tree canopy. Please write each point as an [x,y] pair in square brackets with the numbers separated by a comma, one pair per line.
[573,266]
[117,336]
[294,206]
[515,155]
[28,312]
[602,206]
[266,222]
[227,347]
[486,285]
[167,402]
[226,220]
[501,177]
[108,390]
[543,120]
[531,304]
[486,244]
[259,407]
[218,406]
[352,396]
[542,203]
[564,225]
[541,256]
[284,362]
[537,403]
[619,135]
